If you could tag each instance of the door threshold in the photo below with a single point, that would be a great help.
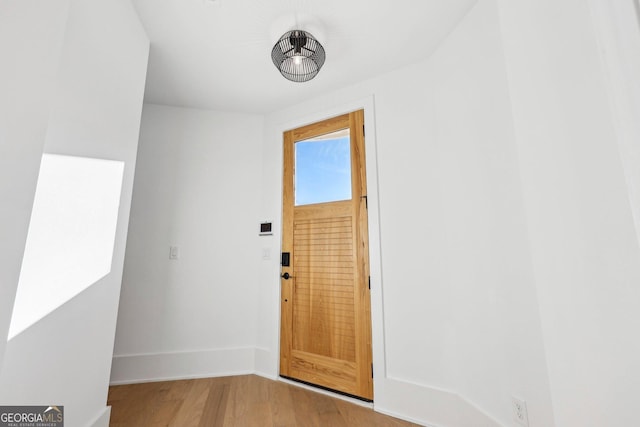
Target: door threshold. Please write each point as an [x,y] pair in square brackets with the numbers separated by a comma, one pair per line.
[360,401]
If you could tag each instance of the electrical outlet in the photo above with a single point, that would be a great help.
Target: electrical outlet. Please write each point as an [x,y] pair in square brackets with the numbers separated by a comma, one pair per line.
[519,408]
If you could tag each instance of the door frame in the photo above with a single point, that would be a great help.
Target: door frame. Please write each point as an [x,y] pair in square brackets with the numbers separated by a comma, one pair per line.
[375,267]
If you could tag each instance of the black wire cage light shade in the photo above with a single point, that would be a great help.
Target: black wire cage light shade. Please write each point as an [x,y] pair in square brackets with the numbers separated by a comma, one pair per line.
[298,56]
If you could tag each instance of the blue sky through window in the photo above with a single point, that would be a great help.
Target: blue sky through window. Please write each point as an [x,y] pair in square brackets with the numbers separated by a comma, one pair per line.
[323,170]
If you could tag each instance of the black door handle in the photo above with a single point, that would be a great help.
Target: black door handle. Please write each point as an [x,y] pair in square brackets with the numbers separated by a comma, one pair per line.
[286,276]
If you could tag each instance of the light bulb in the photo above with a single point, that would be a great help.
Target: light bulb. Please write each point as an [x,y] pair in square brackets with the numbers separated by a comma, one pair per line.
[297,59]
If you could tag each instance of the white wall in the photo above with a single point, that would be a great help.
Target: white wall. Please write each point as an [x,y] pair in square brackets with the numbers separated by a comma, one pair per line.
[583,242]
[65,358]
[31,35]
[197,187]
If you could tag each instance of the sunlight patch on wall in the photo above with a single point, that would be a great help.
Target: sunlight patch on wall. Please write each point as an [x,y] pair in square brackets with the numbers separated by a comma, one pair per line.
[71,234]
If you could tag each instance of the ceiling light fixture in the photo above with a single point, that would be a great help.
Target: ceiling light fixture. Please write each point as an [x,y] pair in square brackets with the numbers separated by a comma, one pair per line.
[298,56]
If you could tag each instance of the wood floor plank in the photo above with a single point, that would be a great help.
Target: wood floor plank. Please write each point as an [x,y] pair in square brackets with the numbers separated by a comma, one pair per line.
[165,412]
[282,412]
[239,401]
[174,390]
[215,407]
[140,400]
[236,404]
[305,411]
[192,408]
[258,414]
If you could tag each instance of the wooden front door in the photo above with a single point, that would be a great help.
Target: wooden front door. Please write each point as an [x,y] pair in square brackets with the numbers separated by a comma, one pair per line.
[325,302]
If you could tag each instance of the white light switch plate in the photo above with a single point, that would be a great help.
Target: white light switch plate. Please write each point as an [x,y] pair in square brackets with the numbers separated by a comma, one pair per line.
[174,252]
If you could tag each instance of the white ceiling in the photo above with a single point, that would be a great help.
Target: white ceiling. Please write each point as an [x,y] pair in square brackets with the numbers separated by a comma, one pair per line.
[216,54]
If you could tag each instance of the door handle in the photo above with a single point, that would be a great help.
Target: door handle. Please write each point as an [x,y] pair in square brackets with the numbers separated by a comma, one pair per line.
[286,276]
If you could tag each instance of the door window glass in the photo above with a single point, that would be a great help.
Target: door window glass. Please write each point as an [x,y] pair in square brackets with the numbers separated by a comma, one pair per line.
[323,169]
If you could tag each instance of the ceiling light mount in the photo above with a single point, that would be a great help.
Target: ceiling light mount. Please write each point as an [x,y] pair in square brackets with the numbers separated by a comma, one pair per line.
[298,56]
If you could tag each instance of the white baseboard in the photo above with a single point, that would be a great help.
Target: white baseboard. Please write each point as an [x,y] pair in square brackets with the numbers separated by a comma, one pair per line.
[428,406]
[266,363]
[103,419]
[137,368]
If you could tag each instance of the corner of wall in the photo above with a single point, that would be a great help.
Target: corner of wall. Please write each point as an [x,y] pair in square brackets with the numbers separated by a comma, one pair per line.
[102,419]
[430,406]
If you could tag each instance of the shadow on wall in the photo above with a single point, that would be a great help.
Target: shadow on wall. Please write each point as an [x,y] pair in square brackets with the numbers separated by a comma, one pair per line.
[71,234]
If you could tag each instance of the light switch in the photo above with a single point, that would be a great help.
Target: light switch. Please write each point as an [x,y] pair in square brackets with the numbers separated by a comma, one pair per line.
[266,253]
[174,252]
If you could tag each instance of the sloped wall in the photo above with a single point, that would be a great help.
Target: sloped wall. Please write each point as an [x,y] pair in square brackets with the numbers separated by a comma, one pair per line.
[96,104]
[31,36]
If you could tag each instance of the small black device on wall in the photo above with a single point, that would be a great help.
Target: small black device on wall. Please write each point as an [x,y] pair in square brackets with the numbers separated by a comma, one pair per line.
[265,229]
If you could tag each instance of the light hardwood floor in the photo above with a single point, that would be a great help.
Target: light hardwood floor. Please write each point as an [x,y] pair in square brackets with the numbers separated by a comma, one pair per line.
[247,400]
